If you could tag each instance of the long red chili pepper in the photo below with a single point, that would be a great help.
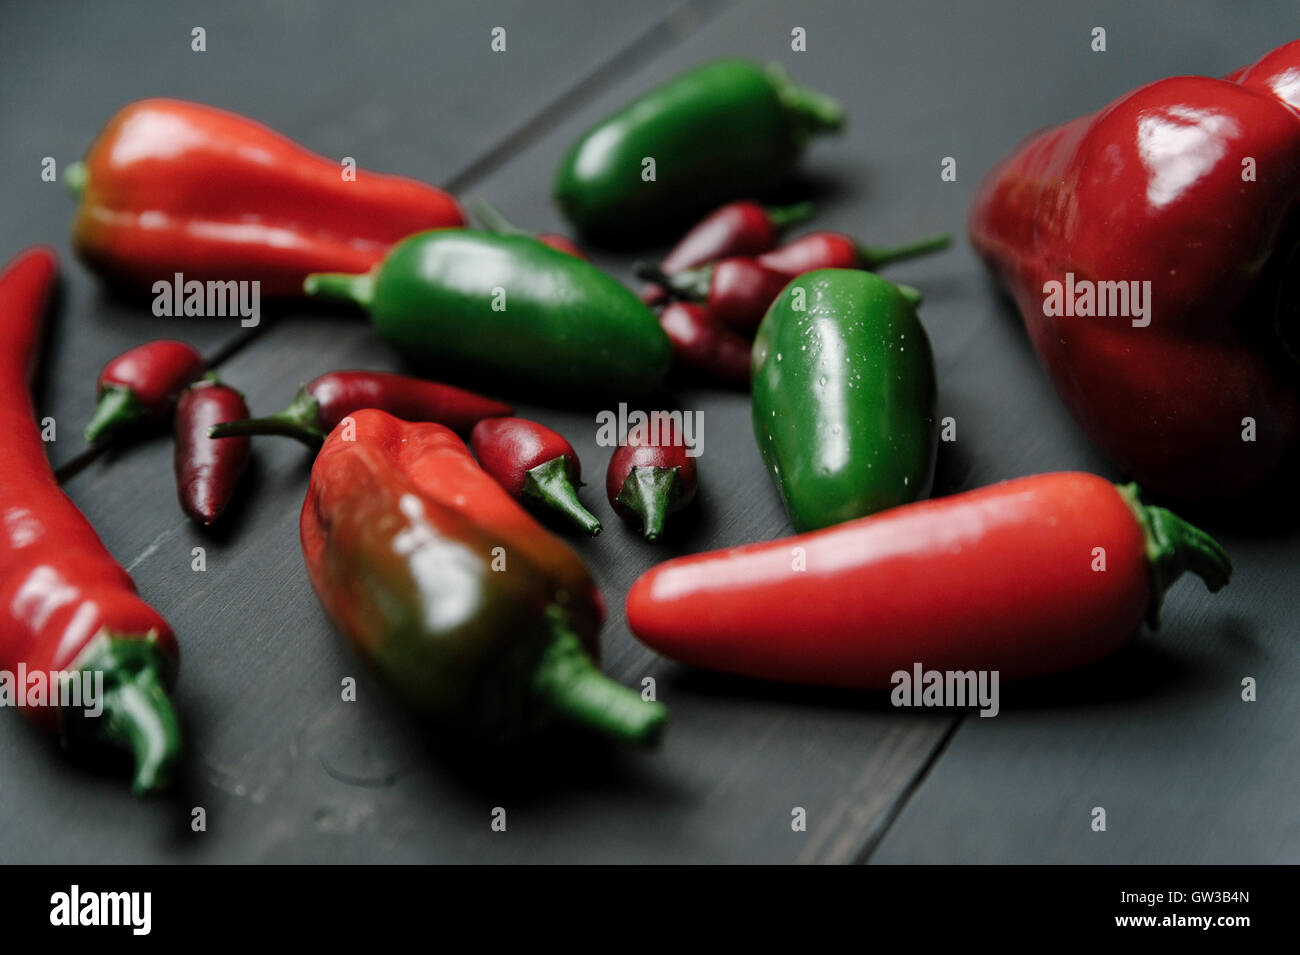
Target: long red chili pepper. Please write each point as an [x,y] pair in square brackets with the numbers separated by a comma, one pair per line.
[738,228]
[1026,577]
[208,471]
[650,477]
[65,604]
[142,384]
[170,186]
[533,463]
[325,401]
[494,221]
[705,345]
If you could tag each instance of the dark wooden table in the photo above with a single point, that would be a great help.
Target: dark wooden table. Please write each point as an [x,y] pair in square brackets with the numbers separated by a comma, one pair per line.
[1159,736]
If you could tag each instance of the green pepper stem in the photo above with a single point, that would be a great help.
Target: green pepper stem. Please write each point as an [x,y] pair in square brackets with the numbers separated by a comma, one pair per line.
[300,420]
[74,178]
[874,256]
[341,287]
[649,492]
[138,715]
[117,408]
[569,684]
[1173,547]
[913,295]
[690,284]
[492,218]
[811,110]
[782,217]
[549,483]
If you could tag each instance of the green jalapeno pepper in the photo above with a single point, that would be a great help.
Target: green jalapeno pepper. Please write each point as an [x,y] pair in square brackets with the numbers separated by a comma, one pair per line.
[508,308]
[729,129]
[844,397]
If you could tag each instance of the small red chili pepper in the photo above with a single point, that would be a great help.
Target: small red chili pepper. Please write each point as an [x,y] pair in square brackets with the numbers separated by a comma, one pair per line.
[142,384]
[704,344]
[325,401]
[650,477]
[66,606]
[1027,577]
[738,228]
[533,463]
[494,221]
[739,291]
[208,471]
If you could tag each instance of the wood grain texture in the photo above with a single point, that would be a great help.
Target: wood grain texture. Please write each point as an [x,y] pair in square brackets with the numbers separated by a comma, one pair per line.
[289,773]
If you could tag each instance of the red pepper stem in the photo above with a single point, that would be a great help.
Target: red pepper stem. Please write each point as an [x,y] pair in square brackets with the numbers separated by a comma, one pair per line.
[341,287]
[118,408]
[812,110]
[569,684]
[300,420]
[492,218]
[874,256]
[137,715]
[1173,547]
[550,483]
[782,217]
[649,493]
[74,178]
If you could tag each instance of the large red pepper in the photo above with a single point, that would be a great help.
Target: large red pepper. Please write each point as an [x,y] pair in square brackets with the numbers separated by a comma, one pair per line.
[170,186]
[1026,577]
[65,604]
[1190,184]
[471,610]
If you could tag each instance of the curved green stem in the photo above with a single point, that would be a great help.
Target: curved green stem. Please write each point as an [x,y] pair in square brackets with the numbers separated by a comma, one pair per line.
[341,287]
[568,683]
[874,256]
[650,493]
[492,218]
[782,217]
[137,713]
[300,420]
[811,110]
[117,408]
[74,178]
[1173,547]
[550,484]
[913,295]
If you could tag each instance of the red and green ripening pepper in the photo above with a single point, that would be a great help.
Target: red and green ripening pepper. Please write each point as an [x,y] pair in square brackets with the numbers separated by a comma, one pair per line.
[471,611]
[648,479]
[325,401]
[533,463]
[170,186]
[142,384]
[208,471]
[844,397]
[1028,577]
[509,311]
[65,604]
[725,130]
[1154,188]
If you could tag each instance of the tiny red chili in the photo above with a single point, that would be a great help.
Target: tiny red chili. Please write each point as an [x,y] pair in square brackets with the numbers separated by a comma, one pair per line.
[208,471]
[142,384]
[704,344]
[325,401]
[649,479]
[835,250]
[533,463]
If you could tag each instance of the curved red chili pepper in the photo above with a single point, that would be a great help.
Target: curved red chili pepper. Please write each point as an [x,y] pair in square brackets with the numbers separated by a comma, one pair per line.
[65,604]
[835,250]
[738,228]
[532,462]
[650,477]
[325,401]
[142,384]
[494,221]
[170,186]
[208,471]
[1026,577]
[705,345]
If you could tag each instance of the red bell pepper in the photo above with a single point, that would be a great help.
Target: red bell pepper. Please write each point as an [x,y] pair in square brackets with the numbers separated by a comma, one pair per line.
[66,605]
[170,186]
[1026,577]
[1189,184]
[142,384]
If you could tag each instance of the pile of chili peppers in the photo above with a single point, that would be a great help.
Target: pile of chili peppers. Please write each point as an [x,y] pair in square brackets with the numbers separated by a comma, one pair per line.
[425,551]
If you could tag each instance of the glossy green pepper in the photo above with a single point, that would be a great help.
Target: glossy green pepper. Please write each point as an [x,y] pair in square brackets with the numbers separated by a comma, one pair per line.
[730,129]
[508,308]
[844,397]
